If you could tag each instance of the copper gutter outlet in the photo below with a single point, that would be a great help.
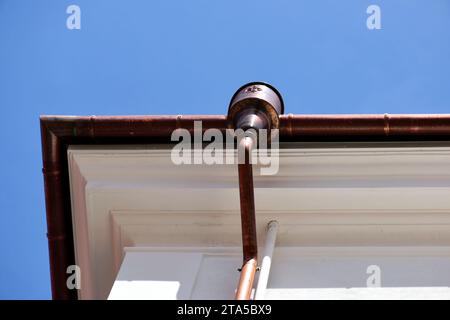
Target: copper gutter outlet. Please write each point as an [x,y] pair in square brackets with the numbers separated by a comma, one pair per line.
[256,106]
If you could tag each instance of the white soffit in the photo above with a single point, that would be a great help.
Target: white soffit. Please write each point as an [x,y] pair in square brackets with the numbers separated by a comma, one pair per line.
[126,196]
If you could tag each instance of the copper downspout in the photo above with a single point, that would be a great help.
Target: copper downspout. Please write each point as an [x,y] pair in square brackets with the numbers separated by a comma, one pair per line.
[255,106]
[248,224]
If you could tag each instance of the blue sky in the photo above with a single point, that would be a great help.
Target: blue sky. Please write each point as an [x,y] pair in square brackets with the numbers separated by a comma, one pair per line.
[188,57]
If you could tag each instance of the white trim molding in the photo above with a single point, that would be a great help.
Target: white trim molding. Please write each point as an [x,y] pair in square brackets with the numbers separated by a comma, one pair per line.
[322,197]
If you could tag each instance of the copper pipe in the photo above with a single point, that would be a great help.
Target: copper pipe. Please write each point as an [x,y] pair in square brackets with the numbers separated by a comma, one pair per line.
[246,280]
[248,223]
[256,106]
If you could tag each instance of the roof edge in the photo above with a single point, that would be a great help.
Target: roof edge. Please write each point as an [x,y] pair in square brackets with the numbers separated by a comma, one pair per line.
[58,132]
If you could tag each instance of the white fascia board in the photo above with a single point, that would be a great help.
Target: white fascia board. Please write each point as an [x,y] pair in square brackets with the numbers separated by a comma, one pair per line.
[125,197]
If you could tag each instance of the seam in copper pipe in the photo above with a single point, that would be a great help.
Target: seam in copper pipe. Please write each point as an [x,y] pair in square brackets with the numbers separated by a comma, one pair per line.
[248,223]
[386,124]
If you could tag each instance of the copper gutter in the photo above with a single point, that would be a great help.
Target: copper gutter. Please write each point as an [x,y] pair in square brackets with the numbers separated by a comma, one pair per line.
[360,127]
[58,132]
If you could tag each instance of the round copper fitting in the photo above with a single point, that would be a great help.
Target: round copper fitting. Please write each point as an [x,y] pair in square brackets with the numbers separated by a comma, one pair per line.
[255,105]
